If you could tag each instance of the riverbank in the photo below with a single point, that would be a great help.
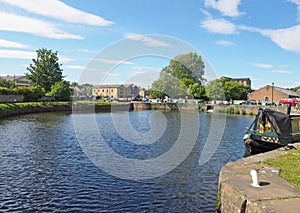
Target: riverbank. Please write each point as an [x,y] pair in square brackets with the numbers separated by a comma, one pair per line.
[236,194]
[10,109]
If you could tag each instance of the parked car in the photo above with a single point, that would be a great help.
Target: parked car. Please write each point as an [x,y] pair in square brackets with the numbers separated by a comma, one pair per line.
[292,101]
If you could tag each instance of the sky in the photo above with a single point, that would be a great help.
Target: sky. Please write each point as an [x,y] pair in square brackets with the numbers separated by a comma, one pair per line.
[132,40]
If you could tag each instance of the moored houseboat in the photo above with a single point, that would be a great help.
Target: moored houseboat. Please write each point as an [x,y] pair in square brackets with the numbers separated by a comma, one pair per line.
[271,130]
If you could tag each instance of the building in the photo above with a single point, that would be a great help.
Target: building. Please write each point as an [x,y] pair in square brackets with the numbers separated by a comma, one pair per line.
[18,80]
[117,91]
[243,81]
[271,93]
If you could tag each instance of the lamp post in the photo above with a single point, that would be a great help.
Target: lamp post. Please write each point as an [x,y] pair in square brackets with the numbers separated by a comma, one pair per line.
[272,92]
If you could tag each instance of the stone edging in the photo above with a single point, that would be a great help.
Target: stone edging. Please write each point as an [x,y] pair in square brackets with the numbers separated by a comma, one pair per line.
[275,194]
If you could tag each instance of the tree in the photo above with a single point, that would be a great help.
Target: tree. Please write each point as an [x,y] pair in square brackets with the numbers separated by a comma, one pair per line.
[45,70]
[215,90]
[189,66]
[61,91]
[196,90]
[183,76]
[224,89]
[234,90]
[5,83]
[169,86]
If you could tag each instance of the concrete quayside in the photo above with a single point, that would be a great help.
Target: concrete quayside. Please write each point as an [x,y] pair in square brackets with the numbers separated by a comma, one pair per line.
[276,195]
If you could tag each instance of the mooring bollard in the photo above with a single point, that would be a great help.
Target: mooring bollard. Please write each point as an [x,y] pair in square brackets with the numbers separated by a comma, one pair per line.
[254,176]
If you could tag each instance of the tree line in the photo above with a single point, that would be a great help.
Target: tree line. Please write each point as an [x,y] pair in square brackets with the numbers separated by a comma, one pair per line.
[184,76]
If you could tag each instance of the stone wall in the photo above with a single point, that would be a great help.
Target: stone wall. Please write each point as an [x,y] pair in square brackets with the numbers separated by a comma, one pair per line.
[11,98]
[253,109]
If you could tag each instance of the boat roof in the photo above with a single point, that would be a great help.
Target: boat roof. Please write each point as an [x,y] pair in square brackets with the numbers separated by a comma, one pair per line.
[282,120]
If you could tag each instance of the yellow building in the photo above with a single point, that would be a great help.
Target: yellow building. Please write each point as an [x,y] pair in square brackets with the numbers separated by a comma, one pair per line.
[117,91]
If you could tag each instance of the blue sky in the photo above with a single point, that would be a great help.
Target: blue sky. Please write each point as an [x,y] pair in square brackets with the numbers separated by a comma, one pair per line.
[238,38]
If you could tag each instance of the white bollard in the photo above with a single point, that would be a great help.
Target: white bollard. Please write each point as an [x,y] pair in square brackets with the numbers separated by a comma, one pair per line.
[254,176]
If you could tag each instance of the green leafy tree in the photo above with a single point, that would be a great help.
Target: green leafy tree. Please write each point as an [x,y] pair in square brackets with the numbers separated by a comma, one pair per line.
[45,70]
[61,91]
[187,66]
[169,86]
[215,90]
[196,90]
[295,89]
[5,83]
[225,89]
[183,76]
[234,90]
[156,94]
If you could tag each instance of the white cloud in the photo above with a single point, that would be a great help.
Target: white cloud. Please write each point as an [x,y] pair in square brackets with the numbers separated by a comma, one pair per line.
[287,38]
[18,54]
[12,44]
[63,59]
[265,66]
[281,71]
[59,10]
[85,50]
[75,67]
[16,23]
[221,26]
[226,7]
[112,61]
[145,68]
[149,41]
[224,43]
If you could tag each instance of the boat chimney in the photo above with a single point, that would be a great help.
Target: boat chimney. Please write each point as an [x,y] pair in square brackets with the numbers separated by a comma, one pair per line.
[289,109]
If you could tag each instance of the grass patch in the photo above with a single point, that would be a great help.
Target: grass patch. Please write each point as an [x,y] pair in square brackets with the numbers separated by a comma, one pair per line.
[288,165]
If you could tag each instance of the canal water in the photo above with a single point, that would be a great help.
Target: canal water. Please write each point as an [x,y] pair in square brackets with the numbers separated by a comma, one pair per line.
[43,167]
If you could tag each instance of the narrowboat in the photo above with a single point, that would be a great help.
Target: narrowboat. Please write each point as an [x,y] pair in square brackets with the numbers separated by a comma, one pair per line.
[271,130]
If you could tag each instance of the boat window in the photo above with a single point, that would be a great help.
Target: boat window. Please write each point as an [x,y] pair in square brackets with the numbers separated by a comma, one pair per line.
[273,125]
[254,126]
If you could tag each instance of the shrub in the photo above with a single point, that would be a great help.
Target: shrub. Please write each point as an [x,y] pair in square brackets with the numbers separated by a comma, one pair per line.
[30,93]
[61,91]
[6,91]
[230,110]
[237,111]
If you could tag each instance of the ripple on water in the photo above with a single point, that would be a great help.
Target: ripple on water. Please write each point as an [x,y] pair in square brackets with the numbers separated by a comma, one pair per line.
[43,169]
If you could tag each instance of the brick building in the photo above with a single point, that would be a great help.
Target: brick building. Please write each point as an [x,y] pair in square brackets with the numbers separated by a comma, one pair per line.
[269,93]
